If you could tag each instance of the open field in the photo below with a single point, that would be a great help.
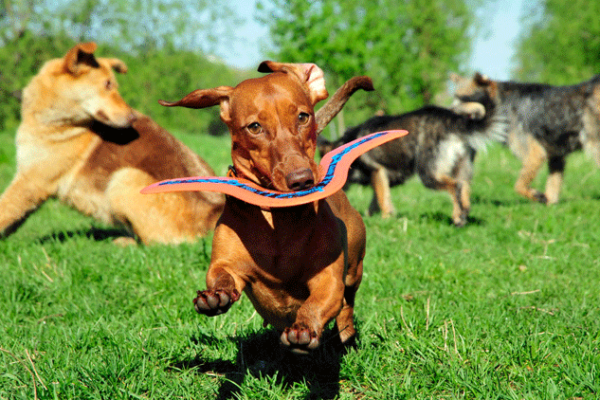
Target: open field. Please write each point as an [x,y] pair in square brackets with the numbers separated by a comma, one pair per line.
[506,308]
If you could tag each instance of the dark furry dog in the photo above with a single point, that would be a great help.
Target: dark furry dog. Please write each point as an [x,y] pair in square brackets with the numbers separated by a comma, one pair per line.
[440,147]
[545,124]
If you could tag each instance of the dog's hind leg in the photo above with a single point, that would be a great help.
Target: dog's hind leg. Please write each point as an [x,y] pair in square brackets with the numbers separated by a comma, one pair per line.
[22,197]
[345,319]
[381,187]
[154,218]
[454,179]
[590,136]
[458,190]
[556,166]
[532,162]
[464,175]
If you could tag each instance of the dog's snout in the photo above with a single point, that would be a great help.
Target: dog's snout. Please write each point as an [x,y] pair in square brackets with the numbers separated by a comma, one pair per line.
[300,179]
[131,117]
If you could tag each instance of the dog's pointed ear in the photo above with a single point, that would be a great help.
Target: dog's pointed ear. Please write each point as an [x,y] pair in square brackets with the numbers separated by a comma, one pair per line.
[202,98]
[117,65]
[456,78]
[481,79]
[310,74]
[80,58]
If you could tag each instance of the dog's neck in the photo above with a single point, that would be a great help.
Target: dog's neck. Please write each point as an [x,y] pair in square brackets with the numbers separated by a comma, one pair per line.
[274,216]
[266,211]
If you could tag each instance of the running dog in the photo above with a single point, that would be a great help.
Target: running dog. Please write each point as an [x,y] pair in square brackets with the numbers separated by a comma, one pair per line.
[440,147]
[545,124]
[299,266]
[80,142]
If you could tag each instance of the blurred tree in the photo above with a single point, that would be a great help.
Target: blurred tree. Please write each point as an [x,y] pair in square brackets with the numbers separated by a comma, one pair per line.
[408,48]
[20,59]
[560,43]
[131,24]
[169,74]
[162,41]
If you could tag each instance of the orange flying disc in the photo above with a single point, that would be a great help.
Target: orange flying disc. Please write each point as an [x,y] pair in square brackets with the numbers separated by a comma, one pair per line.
[333,170]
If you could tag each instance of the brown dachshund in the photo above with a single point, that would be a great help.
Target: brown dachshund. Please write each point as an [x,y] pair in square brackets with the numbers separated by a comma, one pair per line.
[300,266]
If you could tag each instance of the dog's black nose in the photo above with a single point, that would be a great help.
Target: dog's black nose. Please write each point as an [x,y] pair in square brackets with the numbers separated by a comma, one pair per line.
[300,179]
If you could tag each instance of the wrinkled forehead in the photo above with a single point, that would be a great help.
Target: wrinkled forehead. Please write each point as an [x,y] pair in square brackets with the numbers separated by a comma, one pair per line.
[277,88]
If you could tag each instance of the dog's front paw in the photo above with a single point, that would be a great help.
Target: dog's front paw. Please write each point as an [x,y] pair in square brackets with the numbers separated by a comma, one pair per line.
[214,302]
[299,339]
[462,219]
[540,197]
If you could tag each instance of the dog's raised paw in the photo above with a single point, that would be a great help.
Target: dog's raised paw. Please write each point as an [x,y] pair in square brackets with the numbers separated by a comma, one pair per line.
[214,302]
[299,339]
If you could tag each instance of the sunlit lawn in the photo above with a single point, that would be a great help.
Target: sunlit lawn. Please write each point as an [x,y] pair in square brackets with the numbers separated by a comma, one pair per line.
[505,308]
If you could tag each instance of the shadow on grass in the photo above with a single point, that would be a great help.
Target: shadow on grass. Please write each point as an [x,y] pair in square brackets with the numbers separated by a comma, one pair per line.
[259,355]
[97,234]
[515,200]
[446,219]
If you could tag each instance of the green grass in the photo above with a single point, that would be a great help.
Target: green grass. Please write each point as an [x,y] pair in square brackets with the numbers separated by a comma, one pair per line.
[505,308]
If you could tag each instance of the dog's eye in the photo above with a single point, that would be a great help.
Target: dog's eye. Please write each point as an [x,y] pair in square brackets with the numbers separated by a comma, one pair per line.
[303,118]
[109,85]
[254,128]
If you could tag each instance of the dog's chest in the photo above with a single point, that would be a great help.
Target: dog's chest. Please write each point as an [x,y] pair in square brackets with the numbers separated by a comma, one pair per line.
[271,235]
[280,242]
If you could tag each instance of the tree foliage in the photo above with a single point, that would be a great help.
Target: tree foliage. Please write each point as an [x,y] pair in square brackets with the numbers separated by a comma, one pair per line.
[407,47]
[165,73]
[130,24]
[165,60]
[20,59]
[560,43]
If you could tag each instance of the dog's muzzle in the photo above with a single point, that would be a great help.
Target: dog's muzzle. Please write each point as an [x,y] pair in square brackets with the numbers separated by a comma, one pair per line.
[300,179]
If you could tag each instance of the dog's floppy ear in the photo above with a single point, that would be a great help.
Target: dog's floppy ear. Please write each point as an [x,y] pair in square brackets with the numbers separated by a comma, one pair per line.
[116,64]
[202,98]
[310,74]
[80,58]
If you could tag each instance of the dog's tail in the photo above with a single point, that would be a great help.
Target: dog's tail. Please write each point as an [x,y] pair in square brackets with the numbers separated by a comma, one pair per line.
[491,129]
[339,98]
[482,127]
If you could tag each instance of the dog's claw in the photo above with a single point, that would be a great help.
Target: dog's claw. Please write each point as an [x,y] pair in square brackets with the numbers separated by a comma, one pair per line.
[299,339]
[214,302]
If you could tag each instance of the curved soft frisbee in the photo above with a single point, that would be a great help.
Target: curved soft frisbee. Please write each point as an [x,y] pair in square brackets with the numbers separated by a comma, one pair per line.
[333,169]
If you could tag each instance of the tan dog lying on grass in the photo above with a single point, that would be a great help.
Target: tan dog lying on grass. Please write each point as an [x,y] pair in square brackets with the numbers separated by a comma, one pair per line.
[80,142]
[299,266]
